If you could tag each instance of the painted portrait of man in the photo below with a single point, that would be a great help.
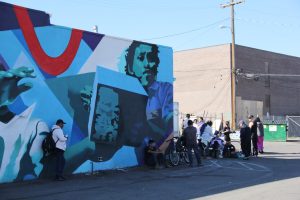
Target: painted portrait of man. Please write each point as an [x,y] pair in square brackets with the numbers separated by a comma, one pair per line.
[142,62]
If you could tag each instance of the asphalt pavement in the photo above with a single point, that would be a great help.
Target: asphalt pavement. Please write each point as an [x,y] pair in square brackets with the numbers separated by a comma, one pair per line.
[273,175]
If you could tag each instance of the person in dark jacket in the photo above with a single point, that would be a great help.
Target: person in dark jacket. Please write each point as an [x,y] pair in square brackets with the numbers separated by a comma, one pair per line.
[245,137]
[190,135]
[226,131]
[253,128]
[153,157]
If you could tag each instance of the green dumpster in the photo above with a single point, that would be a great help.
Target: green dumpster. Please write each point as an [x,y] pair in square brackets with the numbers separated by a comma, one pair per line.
[275,132]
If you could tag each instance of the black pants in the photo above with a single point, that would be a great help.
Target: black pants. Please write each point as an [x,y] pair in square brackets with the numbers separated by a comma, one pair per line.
[154,159]
[60,162]
[254,146]
[196,152]
[246,147]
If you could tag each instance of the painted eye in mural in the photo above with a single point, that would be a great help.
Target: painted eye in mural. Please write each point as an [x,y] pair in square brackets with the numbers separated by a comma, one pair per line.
[141,57]
[151,57]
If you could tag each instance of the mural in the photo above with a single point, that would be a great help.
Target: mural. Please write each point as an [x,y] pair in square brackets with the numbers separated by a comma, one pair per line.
[114,94]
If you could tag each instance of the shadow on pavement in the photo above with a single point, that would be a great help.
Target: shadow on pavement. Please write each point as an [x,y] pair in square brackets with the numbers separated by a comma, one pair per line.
[215,177]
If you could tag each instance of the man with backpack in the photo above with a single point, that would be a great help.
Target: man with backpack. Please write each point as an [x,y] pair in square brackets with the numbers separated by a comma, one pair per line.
[60,140]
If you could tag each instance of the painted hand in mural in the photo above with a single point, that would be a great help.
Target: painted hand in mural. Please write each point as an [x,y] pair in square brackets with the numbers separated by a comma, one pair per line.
[86,95]
[22,152]
[9,84]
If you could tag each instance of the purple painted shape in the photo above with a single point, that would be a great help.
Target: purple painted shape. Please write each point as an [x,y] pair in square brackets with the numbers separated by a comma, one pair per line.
[3,64]
[92,39]
[8,19]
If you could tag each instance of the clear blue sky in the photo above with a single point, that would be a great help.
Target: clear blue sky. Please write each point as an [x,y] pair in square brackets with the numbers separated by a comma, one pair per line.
[272,25]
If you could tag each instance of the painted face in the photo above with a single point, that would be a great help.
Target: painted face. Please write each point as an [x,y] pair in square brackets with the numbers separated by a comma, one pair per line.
[144,64]
[107,115]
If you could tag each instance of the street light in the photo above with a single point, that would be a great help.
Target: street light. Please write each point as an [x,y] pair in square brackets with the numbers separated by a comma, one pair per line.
[95,29]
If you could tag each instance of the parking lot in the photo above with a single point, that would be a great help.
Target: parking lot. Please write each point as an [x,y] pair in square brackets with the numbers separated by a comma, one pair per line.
[272,175]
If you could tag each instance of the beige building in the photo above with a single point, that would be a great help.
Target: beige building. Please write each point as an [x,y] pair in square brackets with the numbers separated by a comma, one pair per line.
[203,82]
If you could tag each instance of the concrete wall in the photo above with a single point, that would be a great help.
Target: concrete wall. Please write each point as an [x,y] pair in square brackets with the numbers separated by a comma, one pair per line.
[113,94]
[278,95]
[202,84]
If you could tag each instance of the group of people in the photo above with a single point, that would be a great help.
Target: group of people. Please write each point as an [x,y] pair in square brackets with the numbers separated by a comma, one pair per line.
[252,133]
[155,157]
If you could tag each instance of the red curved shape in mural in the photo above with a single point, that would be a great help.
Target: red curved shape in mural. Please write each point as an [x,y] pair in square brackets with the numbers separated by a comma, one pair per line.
[51,65]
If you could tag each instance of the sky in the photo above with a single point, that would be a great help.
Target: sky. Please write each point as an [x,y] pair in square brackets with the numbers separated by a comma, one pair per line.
[271,25]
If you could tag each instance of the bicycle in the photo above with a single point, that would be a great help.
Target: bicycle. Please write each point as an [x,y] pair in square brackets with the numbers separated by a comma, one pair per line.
[176,153]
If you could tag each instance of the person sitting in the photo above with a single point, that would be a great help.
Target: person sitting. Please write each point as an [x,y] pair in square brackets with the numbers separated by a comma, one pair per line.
[153,156]
[207,133]
[229,150]
[216,145]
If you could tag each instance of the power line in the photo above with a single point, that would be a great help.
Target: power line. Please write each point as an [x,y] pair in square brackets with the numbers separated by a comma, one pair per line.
[194,38]
[186,32]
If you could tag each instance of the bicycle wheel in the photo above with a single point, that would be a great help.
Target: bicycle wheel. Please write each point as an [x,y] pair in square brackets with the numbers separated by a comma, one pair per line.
[174,158]
[185,157]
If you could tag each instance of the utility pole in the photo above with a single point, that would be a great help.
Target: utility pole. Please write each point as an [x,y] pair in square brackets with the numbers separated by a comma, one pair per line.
[233,87]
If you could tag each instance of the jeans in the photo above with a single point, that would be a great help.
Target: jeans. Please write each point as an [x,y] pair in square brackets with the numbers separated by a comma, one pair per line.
[60,162]
[196,152]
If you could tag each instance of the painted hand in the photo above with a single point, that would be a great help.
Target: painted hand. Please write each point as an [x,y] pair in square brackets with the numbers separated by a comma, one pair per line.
[9,84]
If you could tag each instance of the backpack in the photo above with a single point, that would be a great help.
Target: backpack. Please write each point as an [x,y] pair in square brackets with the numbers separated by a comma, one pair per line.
[48,144]
[260,129]
[202,128]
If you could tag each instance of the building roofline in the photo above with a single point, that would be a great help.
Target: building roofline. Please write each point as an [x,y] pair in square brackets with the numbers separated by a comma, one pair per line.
[70,28]
[211,46]
[273,52]
[237,45]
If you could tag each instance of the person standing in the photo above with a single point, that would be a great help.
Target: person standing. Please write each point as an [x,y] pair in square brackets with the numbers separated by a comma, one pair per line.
[253,128]
[201,122]
[185,121]
[226,132]
[189,134]
[245,138]
[60,140]
[195,124]
[260,136]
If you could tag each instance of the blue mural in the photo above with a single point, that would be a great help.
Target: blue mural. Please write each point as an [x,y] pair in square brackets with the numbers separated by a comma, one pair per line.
[114,95]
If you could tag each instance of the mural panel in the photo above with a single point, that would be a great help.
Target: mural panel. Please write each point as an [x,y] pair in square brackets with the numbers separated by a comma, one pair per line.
[114,95]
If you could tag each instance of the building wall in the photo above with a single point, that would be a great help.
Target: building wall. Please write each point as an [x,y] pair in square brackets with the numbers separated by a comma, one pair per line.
[277,95]
[202,81]
[197,85]
[49,72]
